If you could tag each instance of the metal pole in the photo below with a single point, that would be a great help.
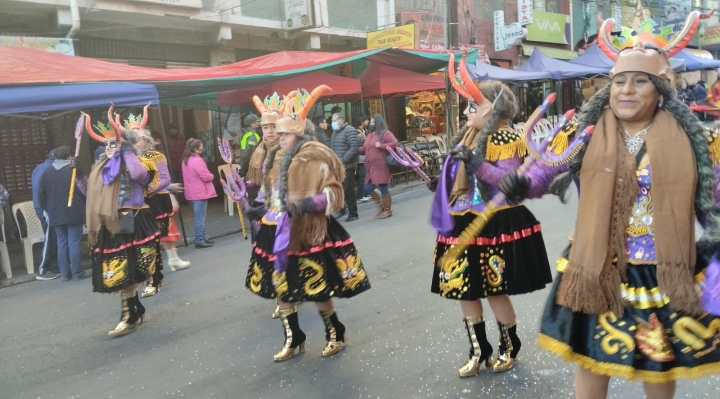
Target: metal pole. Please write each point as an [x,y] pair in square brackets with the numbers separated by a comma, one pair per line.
[445,22]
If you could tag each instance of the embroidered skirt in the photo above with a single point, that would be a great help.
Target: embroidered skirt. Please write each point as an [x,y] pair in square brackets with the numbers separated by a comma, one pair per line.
[508,258]
[650,342]
[161,206]
[125,259]
[333,269]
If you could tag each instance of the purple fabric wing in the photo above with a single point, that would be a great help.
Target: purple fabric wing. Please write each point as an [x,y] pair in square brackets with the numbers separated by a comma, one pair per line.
[111,169]
[440,218]
[282,242]
[710,298]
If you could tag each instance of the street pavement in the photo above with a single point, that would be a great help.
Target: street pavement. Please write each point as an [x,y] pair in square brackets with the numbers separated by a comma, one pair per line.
[206,336]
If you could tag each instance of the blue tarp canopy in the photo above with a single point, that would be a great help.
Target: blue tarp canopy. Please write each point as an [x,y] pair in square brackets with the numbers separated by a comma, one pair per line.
[695,63]
[539,62]
[64,97]
[483,71]
[595,58]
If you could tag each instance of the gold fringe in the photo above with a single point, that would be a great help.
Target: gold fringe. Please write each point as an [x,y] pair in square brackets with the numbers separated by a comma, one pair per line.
[621,370]
[505,151]
[154,156]
[151,166]
[714,145]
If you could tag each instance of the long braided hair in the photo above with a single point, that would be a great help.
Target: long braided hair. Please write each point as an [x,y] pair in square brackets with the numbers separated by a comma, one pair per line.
[308,135]
[704,196]
[505,108]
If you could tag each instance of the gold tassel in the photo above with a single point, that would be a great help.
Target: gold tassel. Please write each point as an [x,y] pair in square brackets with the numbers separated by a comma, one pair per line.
[714,149]
[242,220]
[505,151]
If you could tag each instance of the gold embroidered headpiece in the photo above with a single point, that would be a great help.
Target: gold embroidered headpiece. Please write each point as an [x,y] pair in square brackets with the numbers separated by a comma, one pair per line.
[637,50]
[296,110]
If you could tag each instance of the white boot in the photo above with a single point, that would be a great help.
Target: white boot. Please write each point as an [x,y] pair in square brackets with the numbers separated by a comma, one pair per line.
[174,260]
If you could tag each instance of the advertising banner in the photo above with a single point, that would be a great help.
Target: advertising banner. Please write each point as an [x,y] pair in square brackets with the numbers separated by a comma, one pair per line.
[549,27]
[506,36]
[525,12]
[430,29]
[400,37]
[50,44]
[296,14]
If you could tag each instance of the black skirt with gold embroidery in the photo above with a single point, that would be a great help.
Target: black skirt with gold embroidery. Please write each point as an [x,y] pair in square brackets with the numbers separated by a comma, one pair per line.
[333,269]
[650,342]
[123,259]
[508,258]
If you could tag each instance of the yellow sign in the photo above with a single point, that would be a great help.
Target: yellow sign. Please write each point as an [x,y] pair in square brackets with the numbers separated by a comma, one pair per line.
[400,37]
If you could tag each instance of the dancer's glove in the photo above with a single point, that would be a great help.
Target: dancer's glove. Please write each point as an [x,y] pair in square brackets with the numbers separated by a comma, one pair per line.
[515,187]
[432,185]
[256,213]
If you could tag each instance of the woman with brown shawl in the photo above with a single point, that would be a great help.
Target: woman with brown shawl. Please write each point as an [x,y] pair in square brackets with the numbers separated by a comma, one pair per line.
[625,302]
[122,231]
[301,253]
[508,256]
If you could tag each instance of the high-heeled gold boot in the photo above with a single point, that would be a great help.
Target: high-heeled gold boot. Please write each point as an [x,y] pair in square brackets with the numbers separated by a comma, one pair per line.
[334,333]
[153,285]
[294,336]
[276,313]
[480,349]
[509,347]
[130,315]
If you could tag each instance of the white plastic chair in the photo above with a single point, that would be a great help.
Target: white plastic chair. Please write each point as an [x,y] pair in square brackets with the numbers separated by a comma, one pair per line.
[441,143]
[35,233]
[5,257]
[519,127]
[228,203]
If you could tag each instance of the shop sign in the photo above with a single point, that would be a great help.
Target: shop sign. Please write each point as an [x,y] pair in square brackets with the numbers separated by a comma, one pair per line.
[430,29]
[506,36]
[710,35]
[399,37]
[675,14]
[548,27]
[50,44]
[297,14]
[177,3]
[482,54]
[525,12]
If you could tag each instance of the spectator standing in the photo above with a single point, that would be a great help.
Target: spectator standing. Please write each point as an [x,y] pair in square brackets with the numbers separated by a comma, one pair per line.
[66,221]
[378,173]
[47,270]
[334,110]
[198,188]
[344,142]
[175,147]
[321,126]
[248,142]
[361,122]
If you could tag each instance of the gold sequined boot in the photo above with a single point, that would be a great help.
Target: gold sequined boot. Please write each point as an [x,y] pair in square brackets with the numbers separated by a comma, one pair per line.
[276,313]
[294,336]
[509,347]
[130,314]
[480,349]
[334,333]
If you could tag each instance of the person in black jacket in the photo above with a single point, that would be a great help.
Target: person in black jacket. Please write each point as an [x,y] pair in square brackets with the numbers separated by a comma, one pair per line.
[321,130]
[344,142]
[66,221]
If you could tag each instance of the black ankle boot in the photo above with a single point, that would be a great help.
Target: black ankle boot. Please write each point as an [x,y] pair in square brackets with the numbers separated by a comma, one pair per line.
[139,308]
[509,347]
[480,349]
[294,336]
[334,333]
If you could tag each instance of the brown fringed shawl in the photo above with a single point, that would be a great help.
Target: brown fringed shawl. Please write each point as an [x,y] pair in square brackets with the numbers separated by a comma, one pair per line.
[315,169]
[254,173]
[608,187]
[102,204]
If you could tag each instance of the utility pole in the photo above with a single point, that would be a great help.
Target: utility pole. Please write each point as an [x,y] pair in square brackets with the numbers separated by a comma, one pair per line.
[451,7]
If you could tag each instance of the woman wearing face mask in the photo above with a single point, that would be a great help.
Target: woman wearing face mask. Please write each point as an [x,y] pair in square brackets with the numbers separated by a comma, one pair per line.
[301,253]
[124,252]
[270,111]
[630,298]
[198,188]
[508,256]
[378,174]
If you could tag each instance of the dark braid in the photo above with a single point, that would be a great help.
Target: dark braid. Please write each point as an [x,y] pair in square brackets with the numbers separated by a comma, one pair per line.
[481,150]
[591,113]
[285,166]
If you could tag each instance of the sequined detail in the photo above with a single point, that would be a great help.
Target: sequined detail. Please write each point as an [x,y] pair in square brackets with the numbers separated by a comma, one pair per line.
[640,235]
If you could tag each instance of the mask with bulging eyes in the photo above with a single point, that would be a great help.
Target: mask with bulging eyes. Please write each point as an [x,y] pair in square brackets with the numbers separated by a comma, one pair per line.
[472,107]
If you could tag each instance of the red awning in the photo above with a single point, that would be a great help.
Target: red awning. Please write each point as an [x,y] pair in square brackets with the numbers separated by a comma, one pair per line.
[380,79]
[340,87]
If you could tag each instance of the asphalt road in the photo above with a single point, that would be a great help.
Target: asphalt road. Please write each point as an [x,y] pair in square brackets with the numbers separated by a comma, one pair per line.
[206,336]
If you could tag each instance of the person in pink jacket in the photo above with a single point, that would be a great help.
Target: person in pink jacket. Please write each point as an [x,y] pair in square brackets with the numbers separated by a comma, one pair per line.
[378,174]
[198,188]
